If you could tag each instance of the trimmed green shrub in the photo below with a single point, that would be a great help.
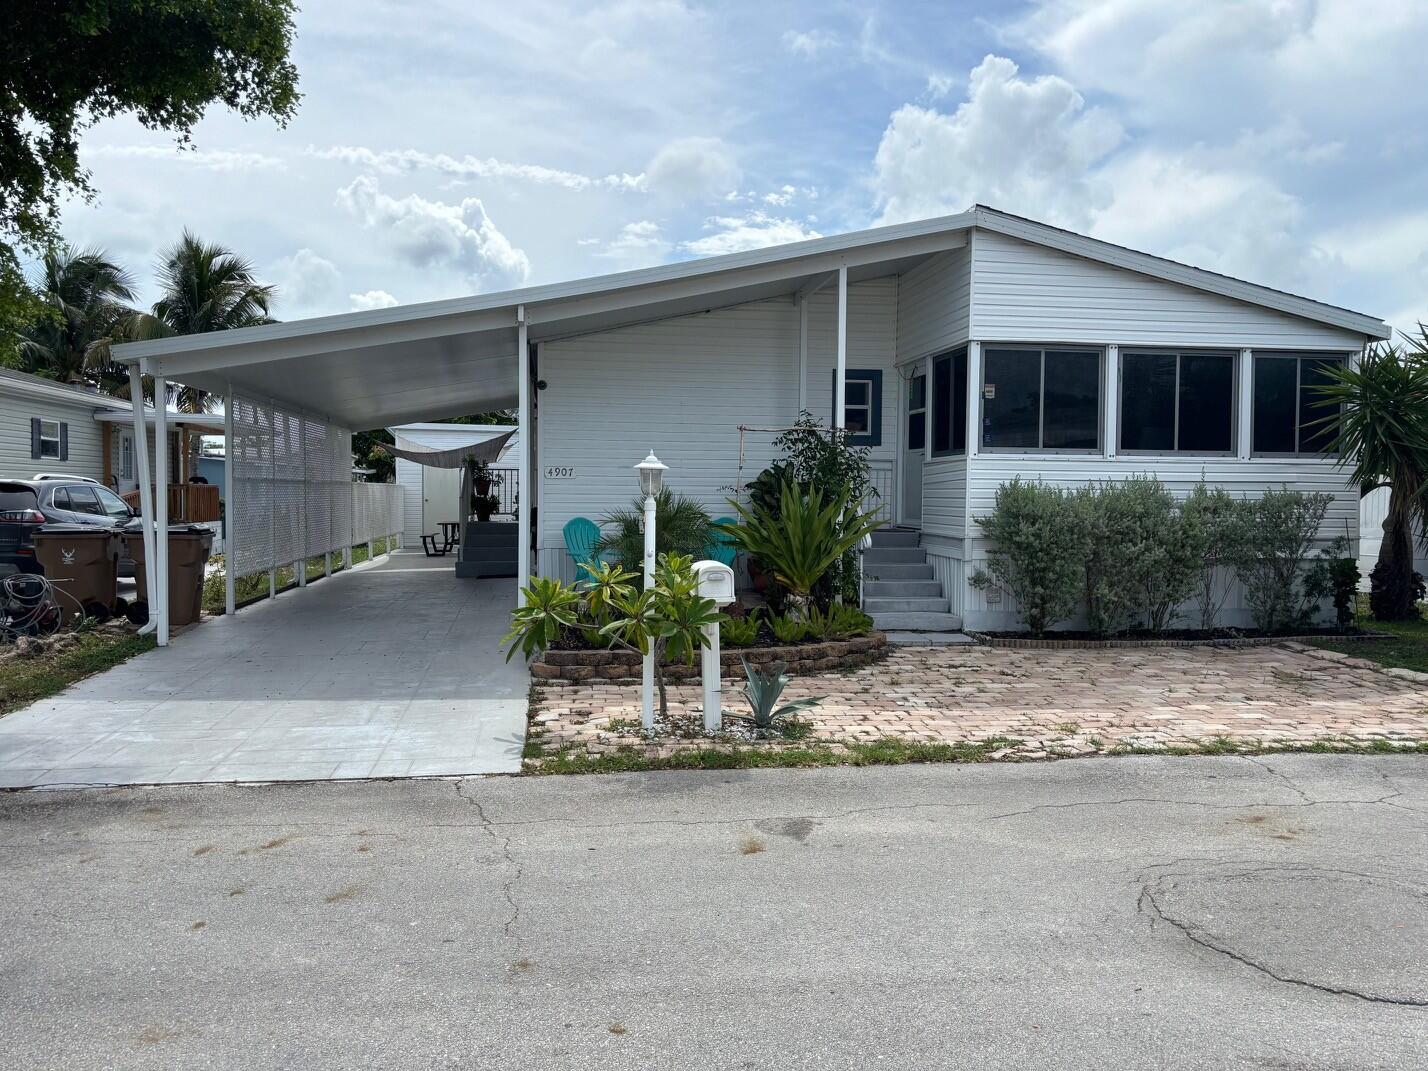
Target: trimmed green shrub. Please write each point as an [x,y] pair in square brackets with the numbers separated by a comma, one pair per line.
[1037,551]
[1270,561]
[789,629]
[1215,519]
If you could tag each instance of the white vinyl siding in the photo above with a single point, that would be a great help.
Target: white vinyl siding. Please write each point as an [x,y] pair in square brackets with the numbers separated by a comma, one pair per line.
[944,497]
[1021,291]
[682,387]
[933,303]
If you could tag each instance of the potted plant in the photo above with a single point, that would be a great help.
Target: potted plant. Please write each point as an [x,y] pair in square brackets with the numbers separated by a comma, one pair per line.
[484,506]
[482,478]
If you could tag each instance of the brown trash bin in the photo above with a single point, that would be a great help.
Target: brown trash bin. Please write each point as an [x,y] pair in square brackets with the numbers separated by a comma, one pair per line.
[189,547]
[82,562]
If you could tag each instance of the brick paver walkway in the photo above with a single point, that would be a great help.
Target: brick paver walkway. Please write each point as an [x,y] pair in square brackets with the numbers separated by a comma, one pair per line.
[1050,701]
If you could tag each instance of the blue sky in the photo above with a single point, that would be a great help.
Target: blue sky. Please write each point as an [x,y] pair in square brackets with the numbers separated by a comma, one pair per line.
[445,148]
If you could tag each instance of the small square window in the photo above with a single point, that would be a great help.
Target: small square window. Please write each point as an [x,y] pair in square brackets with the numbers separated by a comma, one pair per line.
[862,405]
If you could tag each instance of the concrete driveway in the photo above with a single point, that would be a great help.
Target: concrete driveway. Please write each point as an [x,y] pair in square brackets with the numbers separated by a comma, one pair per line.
[1203,913]
[392,670]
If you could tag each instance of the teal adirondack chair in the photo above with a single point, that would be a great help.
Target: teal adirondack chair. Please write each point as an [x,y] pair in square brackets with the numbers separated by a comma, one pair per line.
[720,548]
[581,536]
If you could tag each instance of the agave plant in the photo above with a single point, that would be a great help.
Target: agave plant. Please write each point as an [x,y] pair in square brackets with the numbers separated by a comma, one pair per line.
[804,539]
[763,691]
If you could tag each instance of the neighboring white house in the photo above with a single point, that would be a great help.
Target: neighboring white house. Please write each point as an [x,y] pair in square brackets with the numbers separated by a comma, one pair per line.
[1373,510]
[431,495]
[968,350]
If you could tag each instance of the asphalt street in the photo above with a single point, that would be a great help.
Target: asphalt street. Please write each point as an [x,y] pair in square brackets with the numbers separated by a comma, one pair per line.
[1102,913]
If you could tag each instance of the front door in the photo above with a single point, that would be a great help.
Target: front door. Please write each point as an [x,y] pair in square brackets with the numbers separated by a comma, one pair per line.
[440,497]
[914,440]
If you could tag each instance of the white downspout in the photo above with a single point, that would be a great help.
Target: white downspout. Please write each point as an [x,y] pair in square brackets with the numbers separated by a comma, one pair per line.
[230,566]
[802,354]
[146,489]
[840,380]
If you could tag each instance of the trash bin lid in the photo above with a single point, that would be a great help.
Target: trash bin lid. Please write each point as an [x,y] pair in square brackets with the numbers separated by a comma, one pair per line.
[69,529]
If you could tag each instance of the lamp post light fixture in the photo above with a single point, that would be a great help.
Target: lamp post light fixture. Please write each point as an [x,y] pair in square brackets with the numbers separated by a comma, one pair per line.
[651,471]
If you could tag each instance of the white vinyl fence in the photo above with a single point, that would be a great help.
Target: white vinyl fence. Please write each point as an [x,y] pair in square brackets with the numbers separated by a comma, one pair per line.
[290,491]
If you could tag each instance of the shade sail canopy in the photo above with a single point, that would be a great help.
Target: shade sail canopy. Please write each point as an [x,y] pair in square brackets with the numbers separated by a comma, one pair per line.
[453,458]
[382,367]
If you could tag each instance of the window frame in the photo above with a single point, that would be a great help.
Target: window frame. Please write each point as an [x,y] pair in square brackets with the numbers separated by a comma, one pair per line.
[874,378]
[57,438]
[1044,348]
[1178,353]
[1298,357]
[100,491]
[964,352]
[919,371]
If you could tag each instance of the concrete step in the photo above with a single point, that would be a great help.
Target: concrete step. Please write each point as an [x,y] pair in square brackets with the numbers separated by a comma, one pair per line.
[927,604]
[896,537]
[890,555]
[485,569]
[901,589]
[895,571]
[917,622]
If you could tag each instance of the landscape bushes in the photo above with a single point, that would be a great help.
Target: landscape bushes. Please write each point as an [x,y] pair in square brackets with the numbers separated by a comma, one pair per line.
[1133,556]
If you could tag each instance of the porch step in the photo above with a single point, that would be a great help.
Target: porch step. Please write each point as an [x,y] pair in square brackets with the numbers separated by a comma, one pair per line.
[925,604]
[896,571]
[917,622]
[901,589]
[896,537]
[897,555]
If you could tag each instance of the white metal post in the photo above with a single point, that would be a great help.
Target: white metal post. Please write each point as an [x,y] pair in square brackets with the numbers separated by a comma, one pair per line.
[974,400]
[647,666]
[523,473]
[840,380]
[158,574]
[230,565]
[802,353]
[713,685]
[146,489]
[301,567]
[1244,444]
[1112,380]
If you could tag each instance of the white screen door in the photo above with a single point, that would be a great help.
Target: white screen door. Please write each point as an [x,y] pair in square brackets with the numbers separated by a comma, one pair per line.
[914,439]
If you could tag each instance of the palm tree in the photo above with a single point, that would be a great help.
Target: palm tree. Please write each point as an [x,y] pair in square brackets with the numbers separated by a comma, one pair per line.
[1380,426]
[205,287]
[85,297]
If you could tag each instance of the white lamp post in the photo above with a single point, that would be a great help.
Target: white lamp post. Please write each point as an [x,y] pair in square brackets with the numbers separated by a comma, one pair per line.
[651,471]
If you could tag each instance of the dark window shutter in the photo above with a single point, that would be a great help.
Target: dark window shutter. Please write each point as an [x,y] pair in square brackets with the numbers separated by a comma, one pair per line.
[35,438]
[64,441]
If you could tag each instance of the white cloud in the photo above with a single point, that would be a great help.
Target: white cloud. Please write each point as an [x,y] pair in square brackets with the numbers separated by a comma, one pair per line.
[372,299]
[638,244]
[734,234]
[940,85]
[808,43]
[471,168]
[780,197]
[1026,145]
[208,159]
[436,234]
[307,284]
[694,167]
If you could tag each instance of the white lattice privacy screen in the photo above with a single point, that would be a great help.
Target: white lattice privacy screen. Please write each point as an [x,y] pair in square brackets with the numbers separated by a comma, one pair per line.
[293,495]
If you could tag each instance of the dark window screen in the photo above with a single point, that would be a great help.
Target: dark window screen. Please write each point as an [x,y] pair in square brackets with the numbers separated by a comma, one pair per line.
[1148,401]
[949,403]
[1073,391]
[1274,379]
[1011,398]
[1315,438]
[1207,403]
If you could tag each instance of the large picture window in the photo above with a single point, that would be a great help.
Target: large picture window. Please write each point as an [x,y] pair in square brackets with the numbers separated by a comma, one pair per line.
[1035,398]
[1285,413]
[1178,402]
[949,404]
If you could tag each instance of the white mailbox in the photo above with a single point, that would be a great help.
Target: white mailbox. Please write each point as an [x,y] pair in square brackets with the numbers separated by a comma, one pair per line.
[716,581]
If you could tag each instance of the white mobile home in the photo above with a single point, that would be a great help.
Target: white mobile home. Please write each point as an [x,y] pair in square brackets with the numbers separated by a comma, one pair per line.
[966,351]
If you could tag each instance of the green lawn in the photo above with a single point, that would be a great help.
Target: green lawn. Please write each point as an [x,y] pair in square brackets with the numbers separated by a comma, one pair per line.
[26,680]
[1407,650]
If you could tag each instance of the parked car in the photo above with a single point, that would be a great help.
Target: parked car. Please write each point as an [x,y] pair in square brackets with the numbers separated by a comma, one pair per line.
[27,504]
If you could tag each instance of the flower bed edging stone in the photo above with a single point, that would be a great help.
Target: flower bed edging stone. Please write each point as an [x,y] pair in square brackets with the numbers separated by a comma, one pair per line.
[1047,643]
[801,658]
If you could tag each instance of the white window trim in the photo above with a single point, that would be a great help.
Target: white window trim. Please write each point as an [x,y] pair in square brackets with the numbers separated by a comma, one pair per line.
[1236,389]
[45,437]
[1043,348]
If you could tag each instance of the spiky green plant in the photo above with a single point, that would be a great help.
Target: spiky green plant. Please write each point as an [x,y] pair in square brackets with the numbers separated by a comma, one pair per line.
[1377,413]
[763,691]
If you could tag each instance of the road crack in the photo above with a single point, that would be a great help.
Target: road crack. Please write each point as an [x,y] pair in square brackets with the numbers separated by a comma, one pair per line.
[517,870]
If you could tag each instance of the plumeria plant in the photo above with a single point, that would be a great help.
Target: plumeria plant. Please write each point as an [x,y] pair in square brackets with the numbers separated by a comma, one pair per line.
[667,618]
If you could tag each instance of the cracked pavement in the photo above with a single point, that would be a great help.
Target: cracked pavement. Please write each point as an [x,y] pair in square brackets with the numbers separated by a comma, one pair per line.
[1265,912]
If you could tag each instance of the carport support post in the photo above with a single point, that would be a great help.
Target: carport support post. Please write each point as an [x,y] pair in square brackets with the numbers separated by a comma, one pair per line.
[146,489]
[158,574]
[523,476]
[840,381]
[230,566]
